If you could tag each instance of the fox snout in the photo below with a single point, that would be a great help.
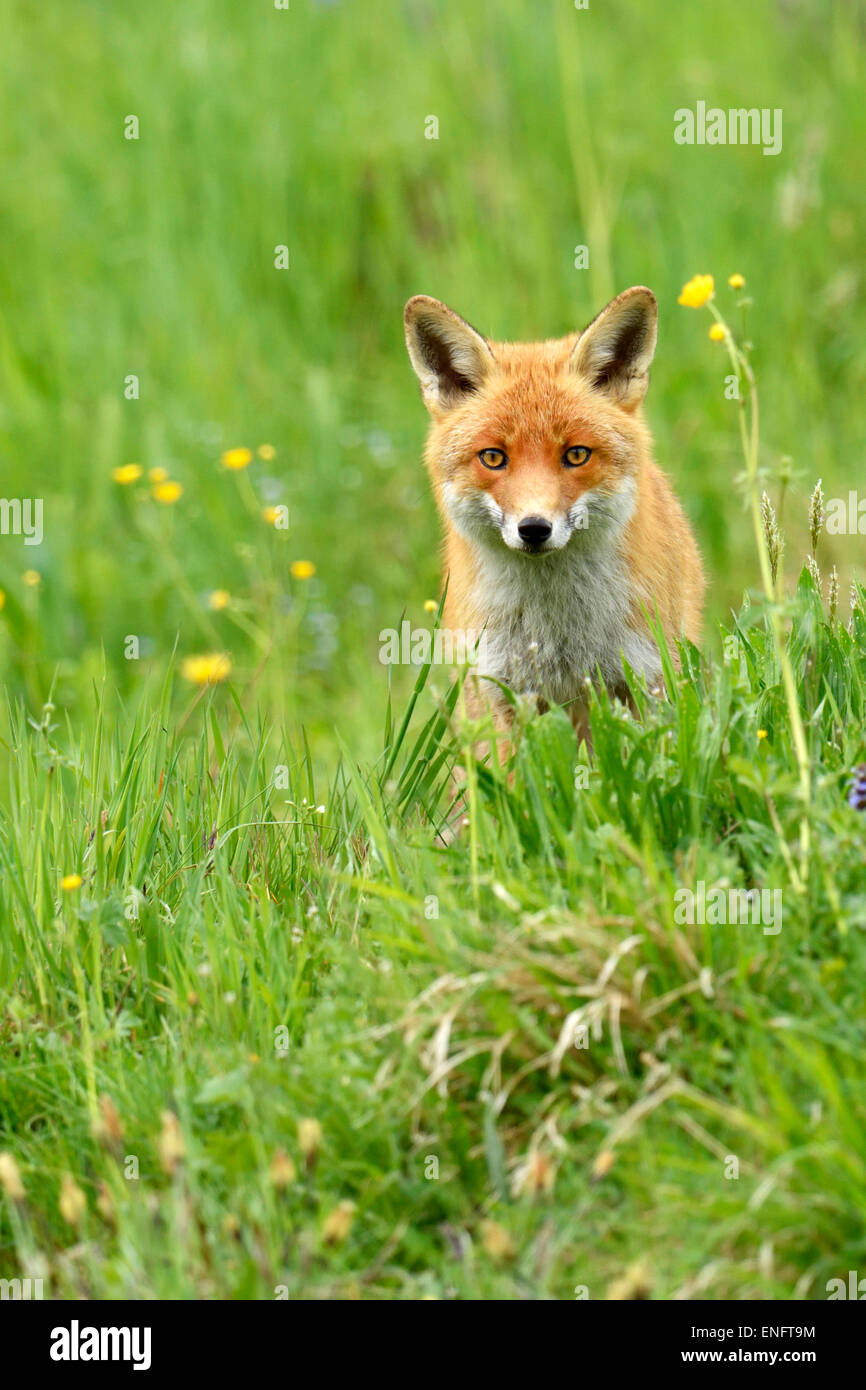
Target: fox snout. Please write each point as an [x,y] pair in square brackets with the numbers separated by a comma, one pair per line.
[531,526]
[538,532]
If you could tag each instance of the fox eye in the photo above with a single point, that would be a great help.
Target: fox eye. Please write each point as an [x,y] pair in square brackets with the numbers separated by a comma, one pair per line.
[493,458]
[576,456]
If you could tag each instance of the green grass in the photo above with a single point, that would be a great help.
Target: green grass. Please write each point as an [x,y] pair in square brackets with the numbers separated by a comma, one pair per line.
[238,957]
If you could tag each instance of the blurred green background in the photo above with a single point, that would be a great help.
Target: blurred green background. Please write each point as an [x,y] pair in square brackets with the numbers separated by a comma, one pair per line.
[306,128]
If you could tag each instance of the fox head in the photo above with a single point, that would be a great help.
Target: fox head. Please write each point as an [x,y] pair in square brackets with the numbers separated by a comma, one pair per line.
[533,443]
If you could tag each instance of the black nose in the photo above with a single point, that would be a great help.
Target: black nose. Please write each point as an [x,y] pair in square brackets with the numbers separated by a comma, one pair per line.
[534,530]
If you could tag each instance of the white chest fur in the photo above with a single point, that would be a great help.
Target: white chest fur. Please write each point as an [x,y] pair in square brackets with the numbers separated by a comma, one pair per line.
[554,619]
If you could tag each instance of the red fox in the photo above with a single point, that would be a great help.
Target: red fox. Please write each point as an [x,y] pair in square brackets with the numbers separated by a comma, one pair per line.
[560,530]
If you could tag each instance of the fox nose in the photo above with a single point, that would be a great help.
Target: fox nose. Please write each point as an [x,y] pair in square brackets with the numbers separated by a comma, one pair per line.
[534,530]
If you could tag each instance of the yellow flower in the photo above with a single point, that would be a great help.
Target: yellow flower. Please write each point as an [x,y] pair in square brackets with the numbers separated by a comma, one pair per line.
[717,333]
[206,669]
[218,599]
[698,292]
[32,578]
[127,473]
[167,492]
[430,605]
[762,733]
[339,1223]
[70,882]
[10,1178]
[237,458]
[72,1202]
[2,600]
[737,281]
[302,569]
[158,475]
[266,452]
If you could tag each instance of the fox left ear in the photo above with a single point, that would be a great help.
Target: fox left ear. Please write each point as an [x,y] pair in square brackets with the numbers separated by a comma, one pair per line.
[451,359]
[614,353]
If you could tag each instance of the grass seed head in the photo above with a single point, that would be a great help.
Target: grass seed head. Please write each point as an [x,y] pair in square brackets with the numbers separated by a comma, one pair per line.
[338,1223]
[496,1242]
[282,1171]
[817,514]
[72,1201]
[10,1178]
[172,1148]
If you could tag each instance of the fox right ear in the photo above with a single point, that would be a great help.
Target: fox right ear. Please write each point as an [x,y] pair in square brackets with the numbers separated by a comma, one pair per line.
[614,353]
[450,359]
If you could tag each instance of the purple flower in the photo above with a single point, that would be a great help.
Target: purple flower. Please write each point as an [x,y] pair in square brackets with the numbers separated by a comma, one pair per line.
[857,794]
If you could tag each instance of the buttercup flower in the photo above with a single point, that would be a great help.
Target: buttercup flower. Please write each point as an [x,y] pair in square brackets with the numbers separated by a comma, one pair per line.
[167,492]
[158,475]
[207,669]
[430,605]
[237,458]
[762,733]
[127,473]
[737,281]
[266,452]
[698,292]
[32,578]
[717,333]
[70,882]
[302,569]
[2,600]
[218,599]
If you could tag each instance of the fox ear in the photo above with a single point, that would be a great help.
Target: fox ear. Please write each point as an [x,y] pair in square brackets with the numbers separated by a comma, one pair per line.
[450,359]
[614,353]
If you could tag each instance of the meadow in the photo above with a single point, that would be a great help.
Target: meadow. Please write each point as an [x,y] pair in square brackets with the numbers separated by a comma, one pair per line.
[261,1035]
